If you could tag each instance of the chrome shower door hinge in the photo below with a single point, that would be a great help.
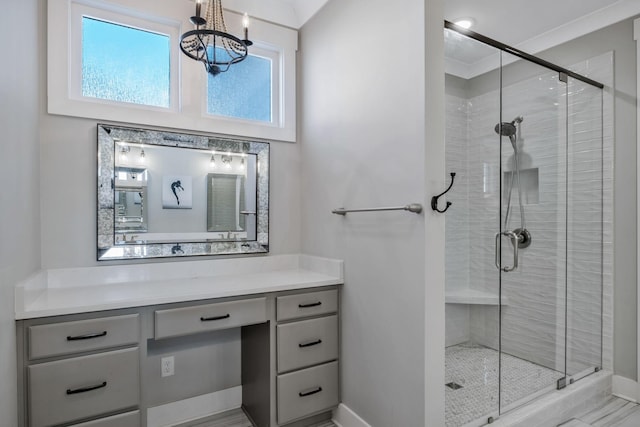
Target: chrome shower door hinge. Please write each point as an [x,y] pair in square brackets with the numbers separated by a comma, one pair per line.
[562,383]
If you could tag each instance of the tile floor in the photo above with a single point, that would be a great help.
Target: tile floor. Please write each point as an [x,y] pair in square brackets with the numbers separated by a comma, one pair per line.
[614,412]
[235,418]
[475,368]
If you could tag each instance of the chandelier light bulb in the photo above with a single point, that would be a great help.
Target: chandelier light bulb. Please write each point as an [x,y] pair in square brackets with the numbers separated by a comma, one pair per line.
[245,25]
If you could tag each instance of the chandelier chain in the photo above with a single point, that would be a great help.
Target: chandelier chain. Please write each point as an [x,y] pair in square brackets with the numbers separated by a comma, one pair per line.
[215,21]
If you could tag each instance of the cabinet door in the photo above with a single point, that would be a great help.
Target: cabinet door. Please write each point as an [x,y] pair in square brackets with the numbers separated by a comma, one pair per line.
[83,387]
[209,317]
[63,338]
[307,304]
[307,392]
[307,343]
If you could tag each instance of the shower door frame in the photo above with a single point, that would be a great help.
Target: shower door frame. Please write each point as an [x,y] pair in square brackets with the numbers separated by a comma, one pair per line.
[563,76]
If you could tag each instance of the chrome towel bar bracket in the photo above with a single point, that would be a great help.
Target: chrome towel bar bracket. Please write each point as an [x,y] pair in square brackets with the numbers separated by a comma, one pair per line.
[413,207]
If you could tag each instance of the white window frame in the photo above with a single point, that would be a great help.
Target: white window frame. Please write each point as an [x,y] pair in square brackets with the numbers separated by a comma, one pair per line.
[275,56]
[79,10]
[188,94]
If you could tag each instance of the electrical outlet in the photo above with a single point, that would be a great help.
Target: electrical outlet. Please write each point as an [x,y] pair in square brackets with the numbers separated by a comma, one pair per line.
[167,366]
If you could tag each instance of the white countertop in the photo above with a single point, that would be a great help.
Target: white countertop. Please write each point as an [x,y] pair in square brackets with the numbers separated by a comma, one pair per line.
[69,291]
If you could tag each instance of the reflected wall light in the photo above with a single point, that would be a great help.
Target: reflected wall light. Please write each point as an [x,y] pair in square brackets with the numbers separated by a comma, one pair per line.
[124,151]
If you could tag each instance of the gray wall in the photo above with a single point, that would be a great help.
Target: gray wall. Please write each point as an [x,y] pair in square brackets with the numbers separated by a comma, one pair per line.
[618,38]
[362,130]
[19,169]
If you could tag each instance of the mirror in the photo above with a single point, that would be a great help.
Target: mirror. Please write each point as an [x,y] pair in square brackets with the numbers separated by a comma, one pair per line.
[233,216]
[166,194]
[130,196]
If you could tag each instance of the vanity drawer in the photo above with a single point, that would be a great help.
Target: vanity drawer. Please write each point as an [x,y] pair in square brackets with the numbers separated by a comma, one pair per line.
[82,387]
[308,391]
[307,343]
[308,304]
[74,337]
[129,419]
[210,317]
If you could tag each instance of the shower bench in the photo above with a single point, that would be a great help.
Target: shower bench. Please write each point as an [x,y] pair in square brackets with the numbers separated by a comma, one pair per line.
[472,296]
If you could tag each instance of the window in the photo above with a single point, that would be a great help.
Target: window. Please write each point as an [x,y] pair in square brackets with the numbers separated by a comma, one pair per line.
[124,64]
[244,91]
[120,60]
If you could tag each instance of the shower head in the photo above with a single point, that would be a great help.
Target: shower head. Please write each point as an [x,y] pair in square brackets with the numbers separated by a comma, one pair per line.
[506,129]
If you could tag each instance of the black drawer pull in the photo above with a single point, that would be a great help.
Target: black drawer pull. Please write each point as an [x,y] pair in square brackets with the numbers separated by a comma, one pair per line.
[309,393]
[309,344]
[86,389]
[87,336]
[210,319]
[313,304]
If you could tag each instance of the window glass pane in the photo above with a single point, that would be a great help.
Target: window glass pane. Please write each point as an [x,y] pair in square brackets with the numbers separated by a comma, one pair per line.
[244,91]
[124,64]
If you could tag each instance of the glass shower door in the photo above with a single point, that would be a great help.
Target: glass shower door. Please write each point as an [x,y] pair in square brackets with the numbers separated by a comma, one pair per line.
[526,237]
[532,248]
[585,234]
[472,371]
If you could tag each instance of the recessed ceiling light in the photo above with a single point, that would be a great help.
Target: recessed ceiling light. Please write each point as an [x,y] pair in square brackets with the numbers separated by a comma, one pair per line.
[465,23]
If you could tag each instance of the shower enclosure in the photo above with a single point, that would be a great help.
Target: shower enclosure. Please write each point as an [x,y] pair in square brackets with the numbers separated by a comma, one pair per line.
[524,234]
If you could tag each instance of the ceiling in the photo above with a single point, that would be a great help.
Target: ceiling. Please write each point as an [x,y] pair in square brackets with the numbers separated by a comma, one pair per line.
[529,25]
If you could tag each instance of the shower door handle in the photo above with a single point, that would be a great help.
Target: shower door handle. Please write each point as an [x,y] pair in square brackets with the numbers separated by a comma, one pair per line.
[514,241]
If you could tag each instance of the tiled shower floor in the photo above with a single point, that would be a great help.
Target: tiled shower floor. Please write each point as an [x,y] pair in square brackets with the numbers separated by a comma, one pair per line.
[475,368]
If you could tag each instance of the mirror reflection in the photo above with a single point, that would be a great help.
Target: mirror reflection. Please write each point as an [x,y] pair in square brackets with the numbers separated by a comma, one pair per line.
[230,206]
[130,197]
[169,194]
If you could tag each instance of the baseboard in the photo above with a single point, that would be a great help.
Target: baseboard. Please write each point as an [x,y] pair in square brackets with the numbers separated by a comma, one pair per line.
[625,388]
[343,416]
[194,408]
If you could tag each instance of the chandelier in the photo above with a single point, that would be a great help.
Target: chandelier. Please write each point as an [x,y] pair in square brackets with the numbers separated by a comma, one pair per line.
[210,43]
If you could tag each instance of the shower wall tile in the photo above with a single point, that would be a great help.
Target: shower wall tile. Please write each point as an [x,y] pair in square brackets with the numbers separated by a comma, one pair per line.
[457,218]
[457,324]
[533,322]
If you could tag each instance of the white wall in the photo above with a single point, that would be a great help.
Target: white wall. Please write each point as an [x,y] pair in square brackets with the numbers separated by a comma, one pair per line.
[19,193]
[362,132]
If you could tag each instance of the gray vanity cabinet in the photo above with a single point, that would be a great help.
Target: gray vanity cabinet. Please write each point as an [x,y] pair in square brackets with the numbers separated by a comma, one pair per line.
[307,354]
[82,387]
[97,369]
[81,370]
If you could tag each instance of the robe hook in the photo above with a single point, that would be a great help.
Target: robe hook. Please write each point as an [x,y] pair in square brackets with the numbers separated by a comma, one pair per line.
[434,199]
